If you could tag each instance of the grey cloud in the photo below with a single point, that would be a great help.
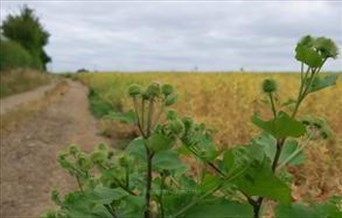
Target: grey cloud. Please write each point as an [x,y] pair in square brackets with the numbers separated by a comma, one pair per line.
[180,35]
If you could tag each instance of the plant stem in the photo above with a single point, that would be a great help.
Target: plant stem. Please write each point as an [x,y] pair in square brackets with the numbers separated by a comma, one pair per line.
[280,144]
[127,177]
[149,156]
[110,210]
[193,203]
[294,154]
[149,117]
[273,106]
[79,183]
[161,204]
[148,212]
[143,117]
[138,117]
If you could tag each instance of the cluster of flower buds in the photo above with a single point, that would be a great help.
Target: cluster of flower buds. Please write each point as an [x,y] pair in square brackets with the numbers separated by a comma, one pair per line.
[101,154]
[154,90]
[318,127]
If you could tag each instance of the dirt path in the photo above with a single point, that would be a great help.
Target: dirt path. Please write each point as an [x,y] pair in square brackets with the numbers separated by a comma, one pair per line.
[29,170]
[13,101]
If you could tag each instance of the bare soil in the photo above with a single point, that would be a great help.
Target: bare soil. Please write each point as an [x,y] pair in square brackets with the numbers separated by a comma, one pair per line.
[9,103]
[29,170]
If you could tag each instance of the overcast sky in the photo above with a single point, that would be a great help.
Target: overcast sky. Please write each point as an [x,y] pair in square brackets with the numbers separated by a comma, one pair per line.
[181,35]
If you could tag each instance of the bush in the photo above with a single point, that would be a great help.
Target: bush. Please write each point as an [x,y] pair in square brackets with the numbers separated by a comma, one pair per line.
[13,55]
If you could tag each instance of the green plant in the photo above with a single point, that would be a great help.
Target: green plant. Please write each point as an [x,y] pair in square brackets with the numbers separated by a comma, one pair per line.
[151,177]
[14,56]
[27,30]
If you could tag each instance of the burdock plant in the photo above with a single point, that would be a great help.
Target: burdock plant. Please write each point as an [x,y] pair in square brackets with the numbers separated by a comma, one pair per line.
[150,179]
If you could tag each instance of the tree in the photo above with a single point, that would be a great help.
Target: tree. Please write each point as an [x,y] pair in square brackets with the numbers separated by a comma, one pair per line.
[27,30]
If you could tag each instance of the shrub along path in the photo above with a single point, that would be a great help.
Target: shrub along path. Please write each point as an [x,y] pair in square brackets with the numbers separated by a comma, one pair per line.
[29,170]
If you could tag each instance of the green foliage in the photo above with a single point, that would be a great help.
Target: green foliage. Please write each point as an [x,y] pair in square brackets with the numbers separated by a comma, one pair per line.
[220,209]
[281,126]
[315,51]
[329,209]
[26,30]
[21,80]
[319,83]
[150,178]
[291,147]
[13,55]
[269,86]
[100,107]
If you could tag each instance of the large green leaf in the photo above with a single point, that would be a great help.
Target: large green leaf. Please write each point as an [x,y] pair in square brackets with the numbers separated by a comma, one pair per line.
[259,180]
[237,160]
[280,127]
[159,142]
[132,206]
[81,205]
[317,210]
[309,56]
[136,148]
[295,210]
[251,172]
[104,195]
[268,143]
[168,160]
[209,182]
[322,82]
[223,209]
[290,147]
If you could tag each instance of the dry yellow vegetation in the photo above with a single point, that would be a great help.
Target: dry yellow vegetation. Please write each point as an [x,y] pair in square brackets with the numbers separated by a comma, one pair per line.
[225,103]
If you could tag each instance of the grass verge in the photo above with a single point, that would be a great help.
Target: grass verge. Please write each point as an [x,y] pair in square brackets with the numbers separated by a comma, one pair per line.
[21,80]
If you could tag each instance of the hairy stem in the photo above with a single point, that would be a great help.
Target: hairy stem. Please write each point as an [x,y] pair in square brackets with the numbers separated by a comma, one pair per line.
[135,102]
[148,212]
[127,177]
[149,117]
[272,105]
[79,183]
[161,203]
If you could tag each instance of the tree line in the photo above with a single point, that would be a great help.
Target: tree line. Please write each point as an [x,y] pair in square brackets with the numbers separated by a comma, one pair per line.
[22,41]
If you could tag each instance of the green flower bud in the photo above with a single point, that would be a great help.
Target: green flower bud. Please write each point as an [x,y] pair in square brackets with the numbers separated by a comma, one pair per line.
[167,89]
[170,100]
[188,122]
[153,90]
[85,162]
[135,90]
[74,149]
[177,127]
[62,159]
[123,161]
[110,154]
[102,147]
[56,197]
[171,114]
[98,156]
[319,124]
[269,86]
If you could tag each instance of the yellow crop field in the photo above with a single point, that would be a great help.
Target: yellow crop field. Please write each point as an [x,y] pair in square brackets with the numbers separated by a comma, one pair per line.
[225,102]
